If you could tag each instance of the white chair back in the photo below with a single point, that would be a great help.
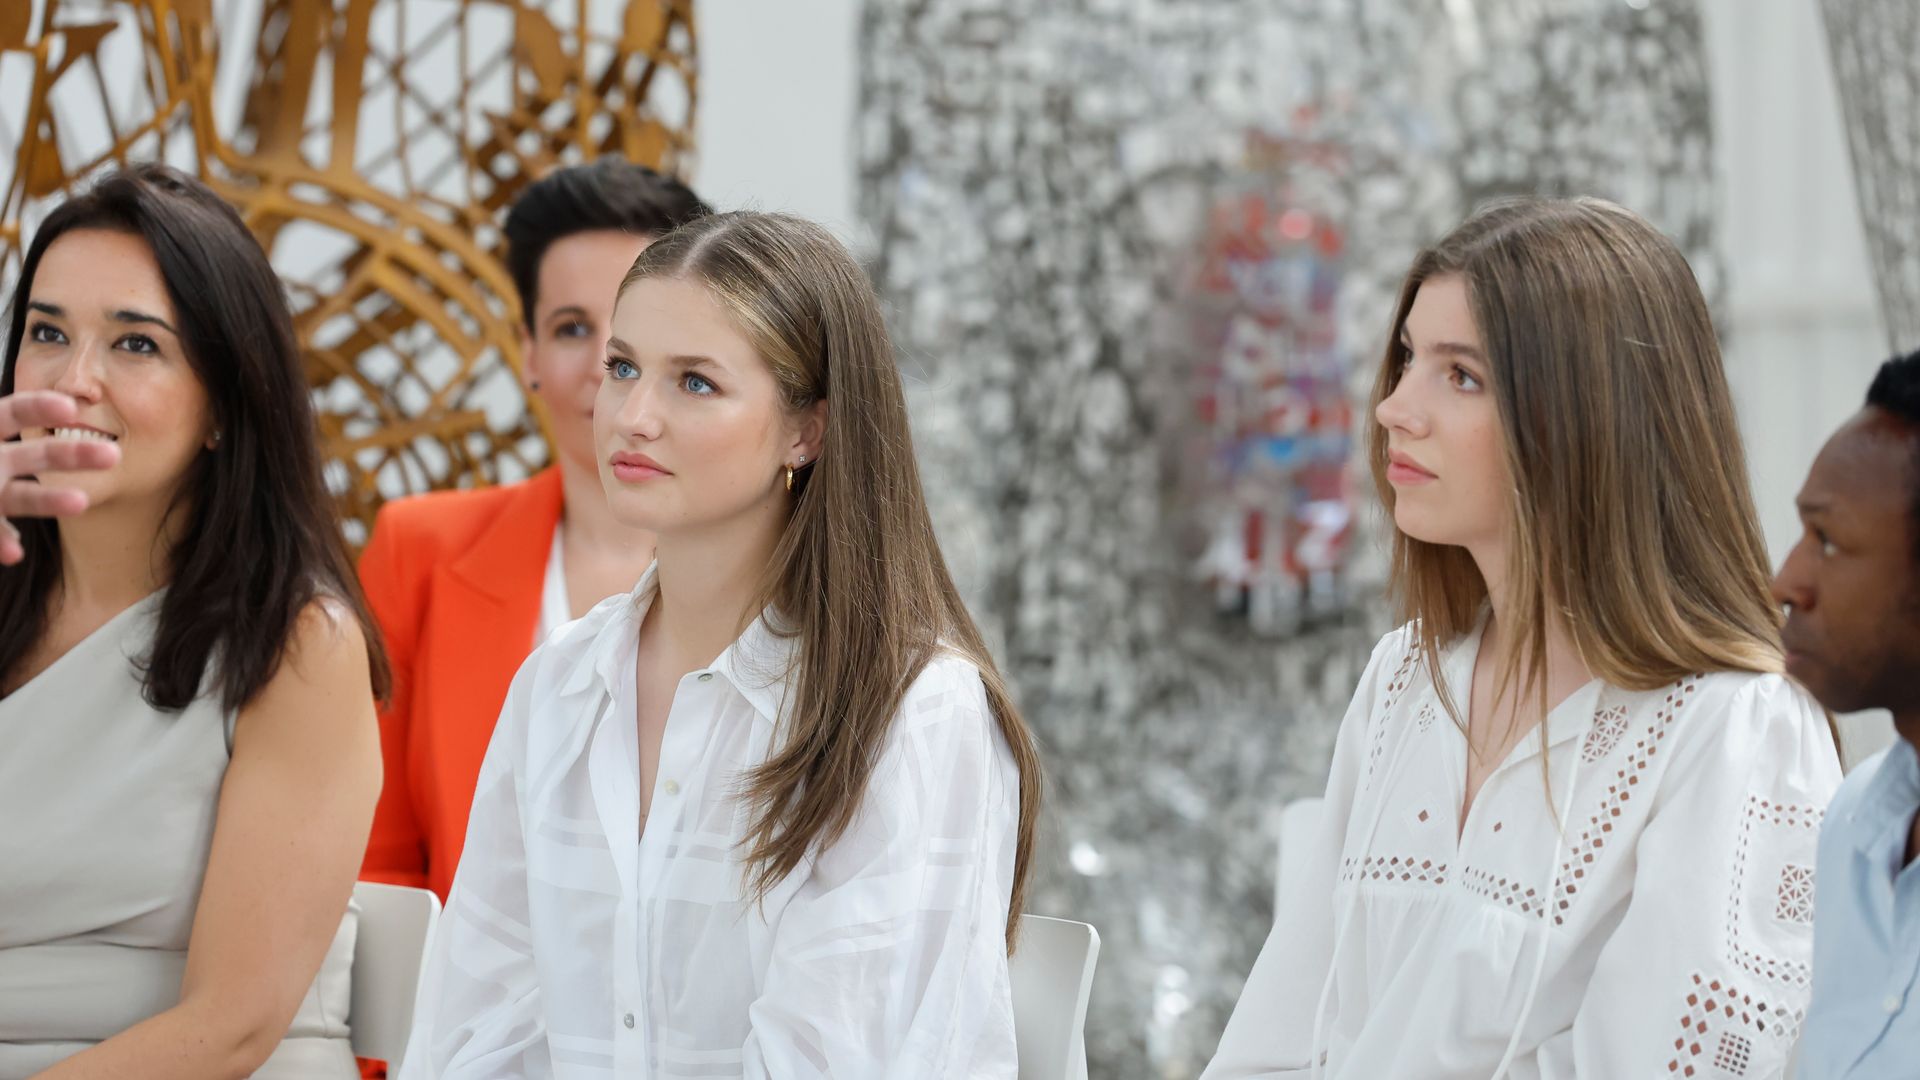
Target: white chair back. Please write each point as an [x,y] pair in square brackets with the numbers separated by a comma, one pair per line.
[396,923]
[1052,974]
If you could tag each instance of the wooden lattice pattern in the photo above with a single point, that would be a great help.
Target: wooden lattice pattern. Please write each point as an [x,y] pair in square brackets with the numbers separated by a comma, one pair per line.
[374,146]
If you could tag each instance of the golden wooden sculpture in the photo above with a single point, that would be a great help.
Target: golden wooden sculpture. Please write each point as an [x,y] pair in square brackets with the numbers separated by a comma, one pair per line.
[377,144]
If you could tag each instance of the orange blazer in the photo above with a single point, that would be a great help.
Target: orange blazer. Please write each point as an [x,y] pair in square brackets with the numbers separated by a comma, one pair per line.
[454,579]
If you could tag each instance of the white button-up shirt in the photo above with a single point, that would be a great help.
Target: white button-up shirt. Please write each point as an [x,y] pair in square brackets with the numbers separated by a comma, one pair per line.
[1666,931]
[577,945]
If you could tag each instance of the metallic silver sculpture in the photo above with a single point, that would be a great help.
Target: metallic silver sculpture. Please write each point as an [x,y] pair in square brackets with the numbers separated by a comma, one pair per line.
[1876,62]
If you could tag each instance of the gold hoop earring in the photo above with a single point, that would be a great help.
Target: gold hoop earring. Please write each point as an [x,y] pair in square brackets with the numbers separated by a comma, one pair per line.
[789,478]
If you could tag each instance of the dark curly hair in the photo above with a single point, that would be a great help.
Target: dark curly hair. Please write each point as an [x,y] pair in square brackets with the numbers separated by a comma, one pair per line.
[1896,389]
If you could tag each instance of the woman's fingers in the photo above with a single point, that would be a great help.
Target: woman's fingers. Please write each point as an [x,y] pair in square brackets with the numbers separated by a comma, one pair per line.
[30,498]
[35,456]
[22,496]
[35,409]
[10,550]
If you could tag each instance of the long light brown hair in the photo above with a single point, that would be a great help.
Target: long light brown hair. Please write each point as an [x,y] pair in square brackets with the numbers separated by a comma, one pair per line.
[1630,516]
[857,574]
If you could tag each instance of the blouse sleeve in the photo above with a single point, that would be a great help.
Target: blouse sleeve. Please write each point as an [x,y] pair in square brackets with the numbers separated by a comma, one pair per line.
[479,1015]
[1270,1034]
[1709,970]
[890,959]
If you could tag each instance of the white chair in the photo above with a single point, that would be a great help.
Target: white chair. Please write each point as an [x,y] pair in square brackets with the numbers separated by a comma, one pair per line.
[396,924]
[1052,974]
[1298,823]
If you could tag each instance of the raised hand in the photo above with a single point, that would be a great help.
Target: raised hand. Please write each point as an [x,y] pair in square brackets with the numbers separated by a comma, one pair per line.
[20,462]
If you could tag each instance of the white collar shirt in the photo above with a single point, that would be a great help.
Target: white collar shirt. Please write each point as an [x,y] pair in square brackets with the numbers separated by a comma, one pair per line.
[578,945]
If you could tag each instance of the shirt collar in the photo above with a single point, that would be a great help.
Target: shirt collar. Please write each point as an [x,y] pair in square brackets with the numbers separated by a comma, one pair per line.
[1886,807]
[758,664]
[1566,721]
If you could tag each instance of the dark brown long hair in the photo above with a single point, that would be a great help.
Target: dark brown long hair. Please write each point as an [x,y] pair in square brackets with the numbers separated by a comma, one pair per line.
[857,572]
[1630,512]
[260,542]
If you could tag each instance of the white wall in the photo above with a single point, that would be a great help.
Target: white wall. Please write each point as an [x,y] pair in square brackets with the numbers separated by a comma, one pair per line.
[1803,329]
[778,81]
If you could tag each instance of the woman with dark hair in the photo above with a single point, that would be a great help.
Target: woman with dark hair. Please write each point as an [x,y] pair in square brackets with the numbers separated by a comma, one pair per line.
[772,813]
[465,583]
[188,751]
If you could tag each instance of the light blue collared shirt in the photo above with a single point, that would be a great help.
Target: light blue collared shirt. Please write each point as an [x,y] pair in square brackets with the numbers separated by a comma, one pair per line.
[1864,1023]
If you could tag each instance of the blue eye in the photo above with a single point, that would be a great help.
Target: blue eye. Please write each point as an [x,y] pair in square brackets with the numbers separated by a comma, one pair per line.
[699,384]
[621,369]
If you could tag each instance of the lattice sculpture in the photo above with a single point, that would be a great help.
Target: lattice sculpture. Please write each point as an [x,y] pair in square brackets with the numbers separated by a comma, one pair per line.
[1035,175]
[1875,65]
[376,143]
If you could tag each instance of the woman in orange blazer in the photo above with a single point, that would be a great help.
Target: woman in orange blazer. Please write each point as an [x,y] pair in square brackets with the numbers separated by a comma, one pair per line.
[465,583]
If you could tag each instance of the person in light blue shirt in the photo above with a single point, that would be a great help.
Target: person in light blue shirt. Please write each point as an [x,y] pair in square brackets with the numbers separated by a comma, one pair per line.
[1851,587]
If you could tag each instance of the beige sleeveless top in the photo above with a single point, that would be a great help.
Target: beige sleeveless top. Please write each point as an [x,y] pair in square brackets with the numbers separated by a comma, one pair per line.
[106,819]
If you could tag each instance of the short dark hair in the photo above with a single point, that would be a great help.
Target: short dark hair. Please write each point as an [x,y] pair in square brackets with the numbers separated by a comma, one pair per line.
[1896,389]
[611,194]
[260,542]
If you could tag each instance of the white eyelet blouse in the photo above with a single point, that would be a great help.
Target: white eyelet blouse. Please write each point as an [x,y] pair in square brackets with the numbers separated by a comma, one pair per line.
[1666,932]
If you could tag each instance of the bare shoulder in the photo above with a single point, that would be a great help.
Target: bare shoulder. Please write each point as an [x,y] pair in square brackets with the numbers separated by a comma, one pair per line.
[326,638]
[323,679]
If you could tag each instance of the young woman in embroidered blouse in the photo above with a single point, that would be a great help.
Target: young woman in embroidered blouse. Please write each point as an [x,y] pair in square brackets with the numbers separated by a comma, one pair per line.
[771,815]
[1570,826]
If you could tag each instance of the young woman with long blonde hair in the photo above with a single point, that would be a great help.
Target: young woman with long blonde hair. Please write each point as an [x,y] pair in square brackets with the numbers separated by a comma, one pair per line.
[1570,826]
[772,814]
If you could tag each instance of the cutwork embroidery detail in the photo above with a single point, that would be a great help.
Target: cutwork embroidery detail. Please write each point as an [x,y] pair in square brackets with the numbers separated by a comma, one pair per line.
[1405,868]
[1796,895]
[1720,1027]
[1626,780]
[1522,898]
[1396,685]
[1608,726]
[1793,901]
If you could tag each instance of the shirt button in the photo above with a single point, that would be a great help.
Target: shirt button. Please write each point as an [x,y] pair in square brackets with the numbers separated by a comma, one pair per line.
[627,1019]
[673,787]
[1892,1004]
[706,676]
